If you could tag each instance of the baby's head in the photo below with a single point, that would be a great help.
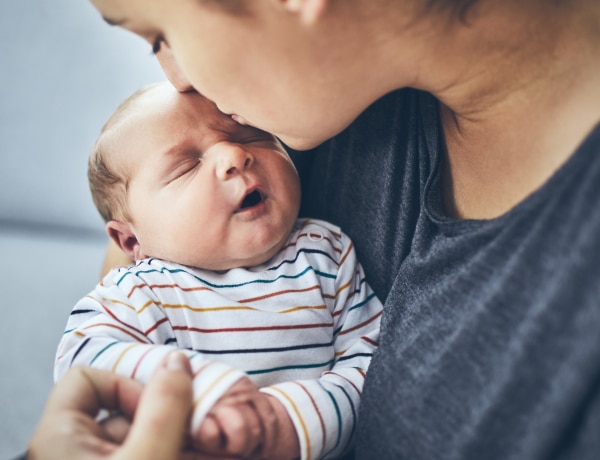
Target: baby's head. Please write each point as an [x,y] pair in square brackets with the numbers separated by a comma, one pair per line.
[176,179]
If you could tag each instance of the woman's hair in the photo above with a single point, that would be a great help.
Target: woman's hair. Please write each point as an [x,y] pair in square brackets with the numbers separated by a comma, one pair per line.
[109,181]
[457,7]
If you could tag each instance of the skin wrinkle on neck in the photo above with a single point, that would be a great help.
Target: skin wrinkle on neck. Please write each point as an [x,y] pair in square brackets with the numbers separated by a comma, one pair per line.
[508,132]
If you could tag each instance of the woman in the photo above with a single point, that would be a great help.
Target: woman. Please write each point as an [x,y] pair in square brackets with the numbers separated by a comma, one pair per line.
[471,197]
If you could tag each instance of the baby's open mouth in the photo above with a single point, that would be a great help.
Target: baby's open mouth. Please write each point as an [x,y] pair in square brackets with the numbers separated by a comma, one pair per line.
[252,199]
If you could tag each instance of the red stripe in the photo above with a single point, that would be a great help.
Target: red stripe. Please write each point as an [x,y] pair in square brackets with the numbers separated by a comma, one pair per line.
[137,365]
[148,331]
[364,323]
[251,329]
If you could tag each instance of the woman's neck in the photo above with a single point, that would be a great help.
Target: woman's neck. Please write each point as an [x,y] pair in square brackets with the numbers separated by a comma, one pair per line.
[520,89]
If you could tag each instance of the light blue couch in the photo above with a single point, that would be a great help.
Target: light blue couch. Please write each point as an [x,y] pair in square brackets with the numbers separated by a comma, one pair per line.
[63,72]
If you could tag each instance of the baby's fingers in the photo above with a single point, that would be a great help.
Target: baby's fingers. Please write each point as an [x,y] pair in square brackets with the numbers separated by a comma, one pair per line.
[210,437]
[231,430]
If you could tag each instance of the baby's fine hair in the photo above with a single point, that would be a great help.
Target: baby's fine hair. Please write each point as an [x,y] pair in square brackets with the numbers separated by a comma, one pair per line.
[108,181]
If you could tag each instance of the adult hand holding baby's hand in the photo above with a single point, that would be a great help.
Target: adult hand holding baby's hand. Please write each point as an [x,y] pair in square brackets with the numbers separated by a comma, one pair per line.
[246,423]
[68,428]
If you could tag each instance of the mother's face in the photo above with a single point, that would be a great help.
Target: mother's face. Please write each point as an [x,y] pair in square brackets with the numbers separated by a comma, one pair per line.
[258,60]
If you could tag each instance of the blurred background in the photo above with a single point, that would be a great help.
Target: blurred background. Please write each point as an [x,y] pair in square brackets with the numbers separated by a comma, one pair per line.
[62,73]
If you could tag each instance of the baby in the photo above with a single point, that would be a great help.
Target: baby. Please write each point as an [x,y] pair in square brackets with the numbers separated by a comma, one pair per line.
[258,299]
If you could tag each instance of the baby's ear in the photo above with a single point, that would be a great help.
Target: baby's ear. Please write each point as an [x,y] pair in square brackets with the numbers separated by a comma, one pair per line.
[309,10]
[124,237]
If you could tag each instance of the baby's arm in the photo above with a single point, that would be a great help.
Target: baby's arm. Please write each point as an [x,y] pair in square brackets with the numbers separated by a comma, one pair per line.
[130,334]
[324,410]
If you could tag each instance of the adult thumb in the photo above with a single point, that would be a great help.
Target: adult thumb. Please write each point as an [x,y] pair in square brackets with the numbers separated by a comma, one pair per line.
[162,416]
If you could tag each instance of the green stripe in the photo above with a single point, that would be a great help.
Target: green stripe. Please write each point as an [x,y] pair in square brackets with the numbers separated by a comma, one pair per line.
[285,368]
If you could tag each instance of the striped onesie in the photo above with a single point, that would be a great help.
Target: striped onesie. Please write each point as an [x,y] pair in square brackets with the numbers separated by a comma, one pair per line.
[303,326]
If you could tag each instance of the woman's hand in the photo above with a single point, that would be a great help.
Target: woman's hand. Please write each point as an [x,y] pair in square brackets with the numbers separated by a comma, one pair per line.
[69,429]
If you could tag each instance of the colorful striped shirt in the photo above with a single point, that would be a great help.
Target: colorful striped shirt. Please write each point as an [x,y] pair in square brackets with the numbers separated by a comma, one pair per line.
[303,326]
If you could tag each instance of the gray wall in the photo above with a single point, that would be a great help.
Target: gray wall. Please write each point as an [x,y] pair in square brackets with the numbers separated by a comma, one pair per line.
[62,72]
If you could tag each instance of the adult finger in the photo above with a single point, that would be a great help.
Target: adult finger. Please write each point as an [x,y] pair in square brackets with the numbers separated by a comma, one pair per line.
[68,423]
[163,411]
[116,428]
[88,390]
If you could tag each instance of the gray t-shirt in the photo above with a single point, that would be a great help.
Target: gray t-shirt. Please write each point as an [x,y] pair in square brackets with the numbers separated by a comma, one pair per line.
[490,342]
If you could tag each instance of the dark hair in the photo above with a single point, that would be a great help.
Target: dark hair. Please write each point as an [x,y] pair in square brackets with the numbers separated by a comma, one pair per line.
[457,7]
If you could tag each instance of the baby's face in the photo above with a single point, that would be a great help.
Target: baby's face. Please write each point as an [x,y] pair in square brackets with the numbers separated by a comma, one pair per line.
[204,190]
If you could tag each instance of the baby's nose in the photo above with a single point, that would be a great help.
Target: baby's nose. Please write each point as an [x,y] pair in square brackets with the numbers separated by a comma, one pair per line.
[232,159]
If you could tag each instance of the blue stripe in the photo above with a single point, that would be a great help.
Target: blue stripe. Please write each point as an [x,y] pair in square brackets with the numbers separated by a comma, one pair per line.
[355,355]
[358,305]
[339,418]
[337,331]
[102,351]
[325,275]
[353,413]
[82,312]
[308,251]
[85,342]
[284,368]
[265,350]
[225,286]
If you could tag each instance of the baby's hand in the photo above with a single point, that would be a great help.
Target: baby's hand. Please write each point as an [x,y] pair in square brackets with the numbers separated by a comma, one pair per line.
[248,424]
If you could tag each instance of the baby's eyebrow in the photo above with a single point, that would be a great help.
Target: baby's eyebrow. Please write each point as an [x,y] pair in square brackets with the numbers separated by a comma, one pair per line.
[172,151]
[178,152]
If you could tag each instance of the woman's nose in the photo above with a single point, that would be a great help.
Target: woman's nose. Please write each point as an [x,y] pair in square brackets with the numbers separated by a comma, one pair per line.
[172,70]
[232,159]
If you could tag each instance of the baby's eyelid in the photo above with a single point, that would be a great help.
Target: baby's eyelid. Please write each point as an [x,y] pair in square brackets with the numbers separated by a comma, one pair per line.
[184,168]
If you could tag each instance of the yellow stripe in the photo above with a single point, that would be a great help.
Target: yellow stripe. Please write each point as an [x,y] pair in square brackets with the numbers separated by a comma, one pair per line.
[146,305]
[118,302]
[114,368]
[198,309]
[344,286]
[214,384]
[195,309]
[305,307]
[302,423]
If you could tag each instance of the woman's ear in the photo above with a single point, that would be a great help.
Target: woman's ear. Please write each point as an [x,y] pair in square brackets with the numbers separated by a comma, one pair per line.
[309,10]
[124,237]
